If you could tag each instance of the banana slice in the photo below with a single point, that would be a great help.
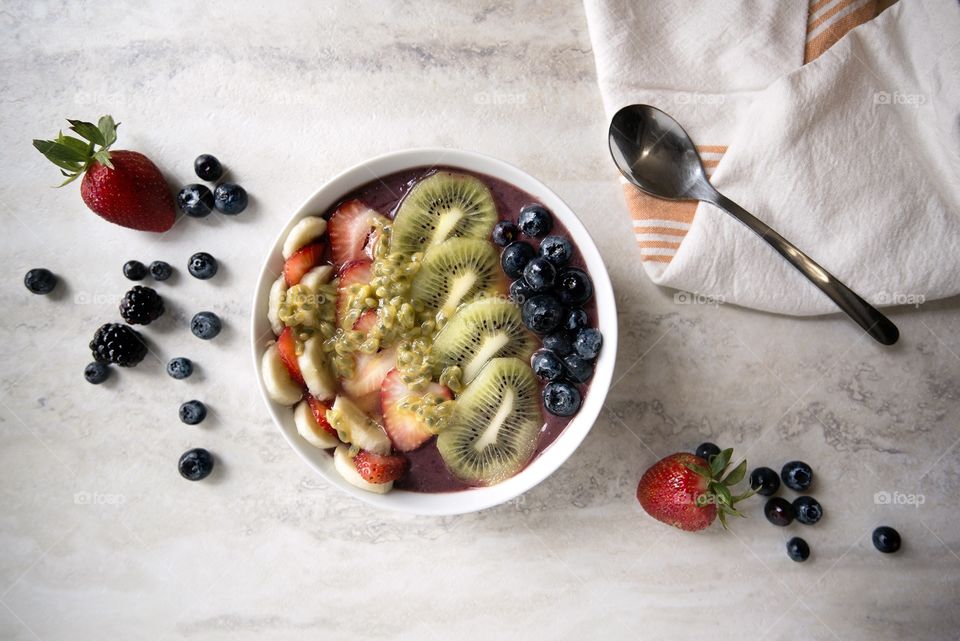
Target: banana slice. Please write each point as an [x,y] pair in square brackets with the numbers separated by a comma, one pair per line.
[276,378]
[316,370]
[277,292]
[303,233]
[344,464]
[320,275]
[357,428]
[310,430]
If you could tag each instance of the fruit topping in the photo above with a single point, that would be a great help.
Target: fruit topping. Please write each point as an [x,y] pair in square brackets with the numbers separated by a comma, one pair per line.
[797,475]
[886,539]
[560,343]
[320,409]
[141,306]
[287,346]
[546,365]
[798,550]
[514,258]
[315,369]
[576,319]
[230,199]
[574,287]
[40,281]
[455,272]
[193,412]
[535,221]
[540,274]
[520,291]
[557,249]
[118,344]
[202,265]
[195,200]
[561,399]
[205,325]
[134,270]
[302,261]
[542,313]
[369,372]
[504,233]
[707,450]
[96,373]
[406,412]
[310,429]
[343,463]
[306,231]
[355,427]
[349,230]
[195,464]
[160,270]
[180,367]
[276,378]
[356,272]
[380,468]
[764,481]
[779,511]
[208,168]
[588,343]
[807,509]
[278,292]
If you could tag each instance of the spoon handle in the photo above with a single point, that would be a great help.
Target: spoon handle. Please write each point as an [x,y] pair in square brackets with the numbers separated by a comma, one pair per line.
[866,315]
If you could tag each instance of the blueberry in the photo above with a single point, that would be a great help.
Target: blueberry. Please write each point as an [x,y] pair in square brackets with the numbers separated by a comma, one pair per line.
[561,399]
[202,265]
[504,233]
[588,343]
[574,287]
[96,373]
[557,249]
[542,313]
[193,412]
[560,343]
[798,550]
[180,367]
[540,274]
[886,539]
[520,291]
[576,319]
[764,481]
[160,270]
[778,511]
[40,280]
[195,200]
[707,450]
[535,221]
[579,369]
[134,270]
[208,168]
[195,464]
[797,475]
[807,509]
[230,199]
[205,325]
[546,365]
[515,257]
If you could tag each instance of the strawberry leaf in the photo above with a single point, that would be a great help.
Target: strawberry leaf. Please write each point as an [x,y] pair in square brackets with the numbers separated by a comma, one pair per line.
[55,151]
[76,144]
[723,493]
[736,475]
[109,130]
[103,157]
[699,469]
[719,462]
[88,130]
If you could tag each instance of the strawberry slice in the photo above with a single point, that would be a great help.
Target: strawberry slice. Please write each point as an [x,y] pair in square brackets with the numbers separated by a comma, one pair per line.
[366,321]
[379,468]
[287,346]
[349,229]
[302,261]
[406,430]
[357,272]
[369,372]
[319,410]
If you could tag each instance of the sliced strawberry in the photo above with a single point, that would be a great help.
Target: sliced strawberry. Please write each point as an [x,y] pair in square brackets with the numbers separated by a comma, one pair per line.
[287,346]
[302,261]
[357,272]
[406,430]
[319,410]
[369,372]
[349,229]
[377,468]
[370,404]
[366,321]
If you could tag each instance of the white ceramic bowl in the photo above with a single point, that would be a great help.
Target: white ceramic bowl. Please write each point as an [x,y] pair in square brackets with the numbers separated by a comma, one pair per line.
[565,444]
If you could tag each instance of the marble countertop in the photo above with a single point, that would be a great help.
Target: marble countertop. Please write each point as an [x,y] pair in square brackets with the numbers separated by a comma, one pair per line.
[101,537]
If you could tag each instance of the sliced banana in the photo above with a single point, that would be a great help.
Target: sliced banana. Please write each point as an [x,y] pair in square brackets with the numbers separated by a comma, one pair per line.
[315,369]
[344,464]
[357,428]
[310,429]
[281,388]
[319,275]
[303,233]
[277,291]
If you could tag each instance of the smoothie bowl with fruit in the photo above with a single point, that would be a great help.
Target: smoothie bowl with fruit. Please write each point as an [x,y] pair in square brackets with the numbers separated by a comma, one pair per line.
[434,331]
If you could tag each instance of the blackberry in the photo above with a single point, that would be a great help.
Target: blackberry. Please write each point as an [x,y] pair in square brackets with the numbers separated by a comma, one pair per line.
[141,306]
[119,344]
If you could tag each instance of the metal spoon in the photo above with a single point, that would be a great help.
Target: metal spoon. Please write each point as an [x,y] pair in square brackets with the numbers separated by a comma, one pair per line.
[654,153]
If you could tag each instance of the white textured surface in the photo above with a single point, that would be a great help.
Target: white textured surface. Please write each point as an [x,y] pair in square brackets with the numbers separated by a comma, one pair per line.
[286,96]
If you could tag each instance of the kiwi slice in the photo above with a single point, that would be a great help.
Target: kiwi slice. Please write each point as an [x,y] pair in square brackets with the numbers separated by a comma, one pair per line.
[455,272]
[442,206]
[484,329]
[495,424]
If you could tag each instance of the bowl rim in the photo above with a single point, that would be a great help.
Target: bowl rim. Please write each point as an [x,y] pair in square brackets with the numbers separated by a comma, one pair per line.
[566,443]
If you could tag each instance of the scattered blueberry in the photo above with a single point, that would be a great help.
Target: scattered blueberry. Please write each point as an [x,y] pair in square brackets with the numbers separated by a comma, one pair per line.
[557,249]
[798,550]
[542,313]
[205,325]
[504,233]
[96,373]
[195,200]
[193,412]
[540,274]
[546,365]
[764,481]
[515,257]
[230,199]
[195,464]
[807,509]
[202,265]
[579,369]
[160,270]
[560,343]
[574,287]
[40,280]
[134,270]
[180,367]
[208,168]
[520,291]
[576,319]
[797,475]
[886,539]
[561,399]
[778,511]
[707,450]
[588,343]
[535,221]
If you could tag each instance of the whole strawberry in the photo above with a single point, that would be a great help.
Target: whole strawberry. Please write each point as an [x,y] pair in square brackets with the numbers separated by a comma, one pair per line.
[688,492]
[123,187]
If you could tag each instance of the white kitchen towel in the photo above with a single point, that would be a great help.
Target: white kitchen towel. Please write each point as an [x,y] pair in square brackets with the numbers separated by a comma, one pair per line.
[851,151]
